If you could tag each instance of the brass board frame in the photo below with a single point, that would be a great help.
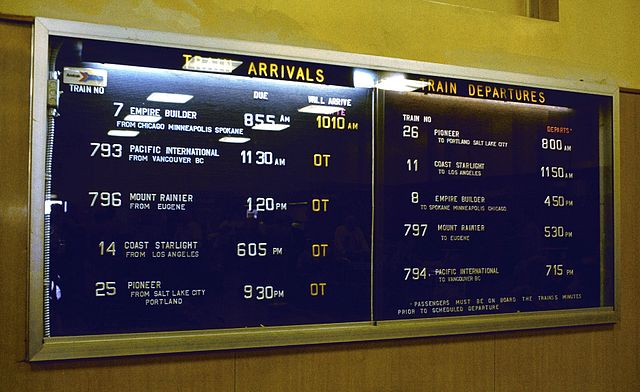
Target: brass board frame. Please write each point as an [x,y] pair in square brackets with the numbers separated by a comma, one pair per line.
[41,348]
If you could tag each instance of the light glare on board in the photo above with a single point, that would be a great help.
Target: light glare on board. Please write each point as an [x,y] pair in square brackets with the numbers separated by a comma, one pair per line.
[123,133]
[320,109]
[270,127]
[210,64]
[235,140]
[142,118]
[169,97]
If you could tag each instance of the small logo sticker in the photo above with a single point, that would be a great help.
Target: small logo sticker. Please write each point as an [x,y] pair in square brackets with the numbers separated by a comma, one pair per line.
[85,76]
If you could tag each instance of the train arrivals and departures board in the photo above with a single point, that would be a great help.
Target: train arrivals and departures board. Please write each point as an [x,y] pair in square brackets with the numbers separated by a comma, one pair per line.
[233,193]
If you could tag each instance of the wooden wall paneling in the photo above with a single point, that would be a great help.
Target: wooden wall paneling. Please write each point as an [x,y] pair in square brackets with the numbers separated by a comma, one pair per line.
[15,59]
[183,372]
[573,359]
[627,332]
[432,364]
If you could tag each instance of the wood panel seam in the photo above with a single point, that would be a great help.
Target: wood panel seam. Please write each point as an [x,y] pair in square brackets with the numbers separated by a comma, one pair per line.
[17,18]
[627,90]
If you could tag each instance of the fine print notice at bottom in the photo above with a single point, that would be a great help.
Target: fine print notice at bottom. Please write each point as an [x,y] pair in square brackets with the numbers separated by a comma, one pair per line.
[487,206]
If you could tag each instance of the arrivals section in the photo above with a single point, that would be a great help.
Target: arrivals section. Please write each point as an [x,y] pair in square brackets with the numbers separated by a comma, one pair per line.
[194,198]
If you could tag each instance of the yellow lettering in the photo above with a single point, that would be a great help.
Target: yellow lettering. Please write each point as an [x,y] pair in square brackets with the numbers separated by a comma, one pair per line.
[290,71]
[273,70]
[262,69]
[430,83]
[518,95]
[445,87]
[319,205]
[493,92]
[283,71]
[187,57]
[472,90]
[252,69]
[317,289]
[321,160]
[300,74]
[319,250]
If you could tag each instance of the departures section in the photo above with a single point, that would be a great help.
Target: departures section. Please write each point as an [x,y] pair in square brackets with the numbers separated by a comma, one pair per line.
[489,201]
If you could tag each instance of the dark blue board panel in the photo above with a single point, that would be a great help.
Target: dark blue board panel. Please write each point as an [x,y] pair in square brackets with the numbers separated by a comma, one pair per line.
[236,208]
